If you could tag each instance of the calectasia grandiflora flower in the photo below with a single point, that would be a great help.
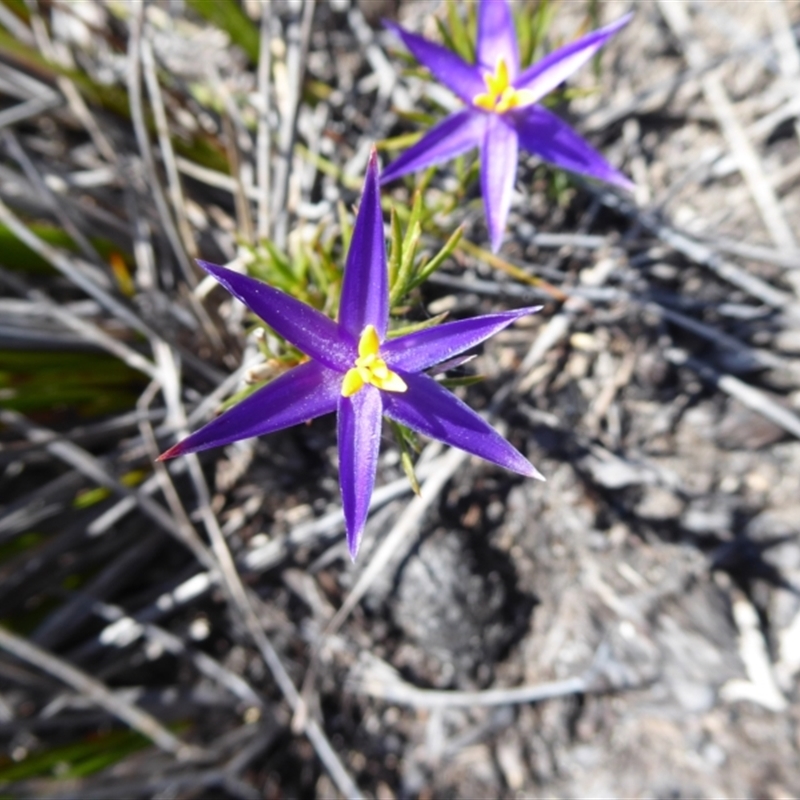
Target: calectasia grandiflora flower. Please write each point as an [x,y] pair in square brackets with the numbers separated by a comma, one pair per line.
[502,110]
[354,370]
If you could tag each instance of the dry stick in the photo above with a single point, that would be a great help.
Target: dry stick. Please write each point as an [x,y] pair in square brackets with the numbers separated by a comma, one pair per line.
[143,141]
[756,252]
[297,38]
[182,593]
[510,269]
[15,26]
[554,331]
[263,144]
[165,143]
[90,332]
[213,782]
[162,477]
[73,269]
[764,358]
[60,623]
[720,164]
[761,686]
[215,178]
[69,90]
[603,118]
[125,626]
[95,470]
[393,689]
[98,693]
[701,253]
[146,267]
[270,555]
[747,159]
[54,204]
[786,47]
[388,83]
[237,164]
[29,108]
[41,503]
[747,395]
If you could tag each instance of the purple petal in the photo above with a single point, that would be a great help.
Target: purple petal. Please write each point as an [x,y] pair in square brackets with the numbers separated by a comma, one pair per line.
[302,394]
[423,349]
[447,67]
[543,76]
[541,132]
[498,172]
[433,411]
[359,442]
[303,326]
[453,136]
[365,289]
[497,37]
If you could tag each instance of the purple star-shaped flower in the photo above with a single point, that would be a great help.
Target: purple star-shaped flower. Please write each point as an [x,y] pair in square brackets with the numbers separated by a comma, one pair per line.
[357,372]
[502,112]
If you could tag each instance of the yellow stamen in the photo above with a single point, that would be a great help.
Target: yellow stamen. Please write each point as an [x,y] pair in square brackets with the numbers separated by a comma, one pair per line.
[501,95]
[370,368]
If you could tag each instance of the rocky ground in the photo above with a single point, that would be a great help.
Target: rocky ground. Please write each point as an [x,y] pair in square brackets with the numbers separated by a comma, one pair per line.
[630,628]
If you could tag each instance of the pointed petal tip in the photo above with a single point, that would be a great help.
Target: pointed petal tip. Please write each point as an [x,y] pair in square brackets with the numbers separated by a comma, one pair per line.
[352,548]
[173,452]
[207,266]
[626,183]
[522,466]
[521,312]
[354,540]
[616,178]
[373,166]
[624,19]
[536,475]
[217,271]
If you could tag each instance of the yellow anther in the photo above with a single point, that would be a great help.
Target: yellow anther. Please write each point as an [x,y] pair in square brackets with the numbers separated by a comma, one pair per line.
[370,368]
[501,95]
[498,83]
[369,343]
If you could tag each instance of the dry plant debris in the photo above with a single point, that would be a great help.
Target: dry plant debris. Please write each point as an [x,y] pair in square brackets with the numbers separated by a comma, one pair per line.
[630,628]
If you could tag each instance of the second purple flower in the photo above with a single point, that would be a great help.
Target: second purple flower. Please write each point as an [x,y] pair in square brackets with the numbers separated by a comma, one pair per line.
[503,111]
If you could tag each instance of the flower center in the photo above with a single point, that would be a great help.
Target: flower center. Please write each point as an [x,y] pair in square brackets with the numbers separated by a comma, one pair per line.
[501,95]
[371,368]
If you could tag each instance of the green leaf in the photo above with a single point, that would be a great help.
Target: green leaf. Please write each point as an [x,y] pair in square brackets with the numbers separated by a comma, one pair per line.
[237,398]
[395,247]
[228,15]
[76,760]
[55,382]
[19,9]
[428,269]
[345,226]
[464,380]
[462,41]
[417,326]
[401,142]
[404,274]
[406,442]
